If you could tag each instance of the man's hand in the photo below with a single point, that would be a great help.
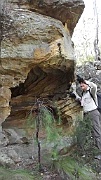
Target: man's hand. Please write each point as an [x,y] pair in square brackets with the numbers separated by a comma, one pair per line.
[72,95]
[73,92]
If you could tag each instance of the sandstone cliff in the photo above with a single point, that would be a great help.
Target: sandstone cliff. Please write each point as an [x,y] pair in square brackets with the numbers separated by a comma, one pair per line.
[37,56]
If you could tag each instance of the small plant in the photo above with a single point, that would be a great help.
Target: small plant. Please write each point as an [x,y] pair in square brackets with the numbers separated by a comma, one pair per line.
[39,117]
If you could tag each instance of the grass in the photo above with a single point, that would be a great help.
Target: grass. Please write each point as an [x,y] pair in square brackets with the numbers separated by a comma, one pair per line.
[7,174]
[75,170]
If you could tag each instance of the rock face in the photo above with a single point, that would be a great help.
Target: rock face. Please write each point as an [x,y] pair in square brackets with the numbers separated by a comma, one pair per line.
[5,96]
[37,56]
[67,11]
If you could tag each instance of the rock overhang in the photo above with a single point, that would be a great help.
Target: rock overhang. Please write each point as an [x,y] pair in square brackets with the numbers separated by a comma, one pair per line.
[29,43]
[37,55]
[67,11]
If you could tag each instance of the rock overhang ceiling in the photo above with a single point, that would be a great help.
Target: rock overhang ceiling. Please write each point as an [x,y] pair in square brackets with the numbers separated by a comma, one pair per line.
[67,11]
[37,57]
[31,42]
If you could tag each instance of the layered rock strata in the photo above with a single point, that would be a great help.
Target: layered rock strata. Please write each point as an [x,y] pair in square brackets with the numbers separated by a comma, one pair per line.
[37,56]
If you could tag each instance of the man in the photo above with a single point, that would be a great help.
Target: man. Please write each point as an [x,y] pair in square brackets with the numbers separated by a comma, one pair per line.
[89,103]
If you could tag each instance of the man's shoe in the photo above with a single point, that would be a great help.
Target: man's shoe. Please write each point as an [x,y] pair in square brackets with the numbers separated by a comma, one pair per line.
[98,157]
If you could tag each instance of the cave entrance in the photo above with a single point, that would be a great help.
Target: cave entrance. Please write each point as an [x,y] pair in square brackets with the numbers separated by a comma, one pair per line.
[40,83]
[51,85]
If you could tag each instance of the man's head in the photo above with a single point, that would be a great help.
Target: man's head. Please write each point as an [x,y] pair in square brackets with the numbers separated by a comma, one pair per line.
[83,86]
[82,83]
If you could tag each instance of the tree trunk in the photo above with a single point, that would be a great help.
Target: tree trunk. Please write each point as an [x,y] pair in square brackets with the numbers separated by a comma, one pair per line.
[96,47]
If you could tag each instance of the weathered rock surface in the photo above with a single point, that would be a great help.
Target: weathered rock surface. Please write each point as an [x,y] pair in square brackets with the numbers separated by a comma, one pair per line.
[33,40]
[24,157]
[37,55]
[5,97]
[67,11]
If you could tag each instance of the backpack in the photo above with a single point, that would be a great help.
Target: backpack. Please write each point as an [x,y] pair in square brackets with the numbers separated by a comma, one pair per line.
[99,101]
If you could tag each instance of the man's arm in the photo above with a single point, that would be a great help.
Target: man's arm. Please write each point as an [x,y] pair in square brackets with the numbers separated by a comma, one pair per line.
[93,90]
